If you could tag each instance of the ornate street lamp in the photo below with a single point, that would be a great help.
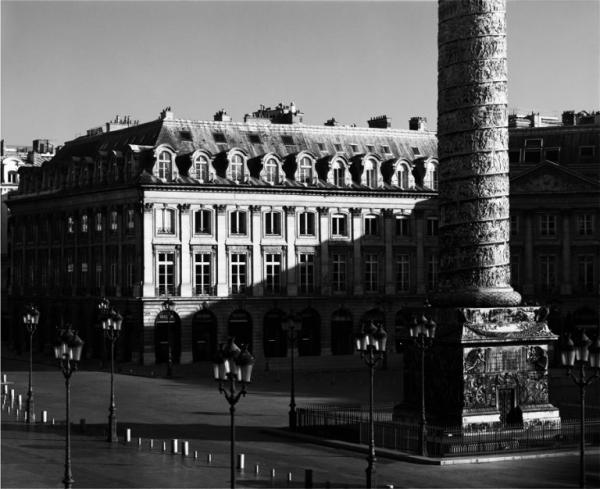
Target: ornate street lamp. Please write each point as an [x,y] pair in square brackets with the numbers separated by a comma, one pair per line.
[422,332]
[371,345]
[233,365]
[31,317]
[67,351]
[582,354]
[167,305]
[293,324]
[111,322]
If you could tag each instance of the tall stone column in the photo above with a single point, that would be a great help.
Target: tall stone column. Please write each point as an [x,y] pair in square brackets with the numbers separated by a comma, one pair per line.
[472,147]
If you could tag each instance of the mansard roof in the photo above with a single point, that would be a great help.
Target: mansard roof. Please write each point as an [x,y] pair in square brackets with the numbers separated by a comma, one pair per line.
[187,136]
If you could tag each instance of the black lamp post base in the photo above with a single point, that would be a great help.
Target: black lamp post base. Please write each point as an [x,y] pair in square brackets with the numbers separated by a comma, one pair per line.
[30,408]
[112,430]
[68,482]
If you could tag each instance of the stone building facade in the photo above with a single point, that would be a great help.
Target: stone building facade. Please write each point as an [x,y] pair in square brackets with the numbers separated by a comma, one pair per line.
[238,223]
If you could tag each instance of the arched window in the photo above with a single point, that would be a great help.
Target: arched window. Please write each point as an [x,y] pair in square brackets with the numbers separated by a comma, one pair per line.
[402,176]
[309,338]
[370,174]
[339,174]
[271,171]
[200,168]
[274,337]
[237,168]
[167,336]
[204,335]
[342,333]
[165,165]
[240,328]
[12,177]
[431,178]
[305,171]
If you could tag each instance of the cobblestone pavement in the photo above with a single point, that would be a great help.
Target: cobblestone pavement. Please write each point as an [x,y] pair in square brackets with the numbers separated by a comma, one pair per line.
[191,409]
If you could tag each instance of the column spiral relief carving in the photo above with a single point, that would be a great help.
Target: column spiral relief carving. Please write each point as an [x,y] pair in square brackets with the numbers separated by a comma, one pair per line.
[472,148]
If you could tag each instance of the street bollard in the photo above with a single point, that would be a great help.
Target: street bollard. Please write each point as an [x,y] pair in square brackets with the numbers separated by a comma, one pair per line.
[8,409]
[241,461]
[128,435]
[12,396]
[44,416]
[272,473]
[53,422]
[17,413]
[185,449]
[308,478]
[20,401]
[289,478]
[174,445]
[195,454]
[164,446]
[151,444]
[209,458]
[139,442]
[256,469]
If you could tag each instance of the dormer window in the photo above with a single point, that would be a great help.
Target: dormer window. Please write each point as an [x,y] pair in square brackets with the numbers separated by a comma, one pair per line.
[271,171]
[431,178]
[385,149]
[305,170]
[254,138]
[402,174]
[369,176]
[219,137]
[165,165]
[338,173]
[354,148]
[200,168]
[236,168]
[338,147]
[287,140]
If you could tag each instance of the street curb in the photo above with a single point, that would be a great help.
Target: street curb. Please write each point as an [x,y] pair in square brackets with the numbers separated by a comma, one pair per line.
[417,459]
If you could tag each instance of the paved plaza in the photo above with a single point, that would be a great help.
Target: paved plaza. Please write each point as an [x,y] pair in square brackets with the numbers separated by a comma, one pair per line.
[189,407]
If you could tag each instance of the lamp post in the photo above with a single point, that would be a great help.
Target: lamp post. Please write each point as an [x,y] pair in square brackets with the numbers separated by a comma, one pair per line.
[167,305]
[422,332]
[233,365]
[111,325]
[31,317]
[371,346]
[292,324]
[582,354]
[67,351]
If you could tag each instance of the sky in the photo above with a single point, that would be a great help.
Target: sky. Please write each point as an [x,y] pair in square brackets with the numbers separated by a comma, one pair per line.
[70,66]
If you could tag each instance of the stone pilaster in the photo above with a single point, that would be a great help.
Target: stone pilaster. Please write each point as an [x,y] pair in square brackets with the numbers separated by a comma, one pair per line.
[148,287]
[472,146]
[221,234]
[185,226]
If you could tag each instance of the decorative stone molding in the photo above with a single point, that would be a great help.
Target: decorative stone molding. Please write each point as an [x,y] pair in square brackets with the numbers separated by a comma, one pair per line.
[183,208]
[148,206]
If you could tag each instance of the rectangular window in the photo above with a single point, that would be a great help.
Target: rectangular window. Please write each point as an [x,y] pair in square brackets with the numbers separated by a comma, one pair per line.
[130,219]
[338,147]
[533,143]
[402,226]
[371,178]
[98,224]
[585,224]
[547,272]
[114,220]
[338,262]
[585,272]
[237,222]
[129,275]
[339,175]
[166,273]
[307,223]
[514,156]
[321,146]
[70,269]
[185,135]
[113,272]
[402,273]
[306,268]
[370,148]
[514,225]
[238,273]
[273,223]
[354,148]
[552,154]
[219,137]
[202,273]
[254,138]
[287,140]
[416,151]
[371,273]
[548,225]
[533,155]
[84,274]
[432,272]
[272,273]
[98,279]
[70,225]
[202,221]
[84,224]
[339,225]
[385,149]
[371,228]
[586,153]
[432,226]
[165,221]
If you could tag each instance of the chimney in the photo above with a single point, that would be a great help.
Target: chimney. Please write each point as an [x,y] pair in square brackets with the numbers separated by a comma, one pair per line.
[221,116]
[568,118]
[417,123]
[332,122]
[380,122]
[167,114]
